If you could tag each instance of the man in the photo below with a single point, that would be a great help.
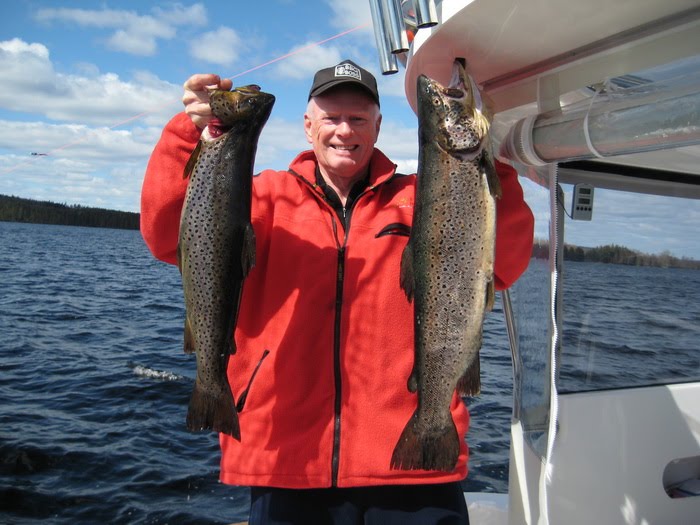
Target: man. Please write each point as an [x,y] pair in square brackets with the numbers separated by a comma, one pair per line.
[329,400]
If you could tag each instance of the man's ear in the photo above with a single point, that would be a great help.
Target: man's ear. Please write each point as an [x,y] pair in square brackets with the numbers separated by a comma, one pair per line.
[307,128]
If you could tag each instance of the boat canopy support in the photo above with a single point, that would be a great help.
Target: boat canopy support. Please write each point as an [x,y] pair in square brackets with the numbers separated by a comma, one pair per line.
[612,122]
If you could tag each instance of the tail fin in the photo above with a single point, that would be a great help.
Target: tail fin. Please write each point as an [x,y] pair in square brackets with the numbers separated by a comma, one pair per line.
[416,450]
[213,411]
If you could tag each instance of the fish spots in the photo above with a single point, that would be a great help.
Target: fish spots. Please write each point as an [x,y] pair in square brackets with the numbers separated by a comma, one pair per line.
[215,239]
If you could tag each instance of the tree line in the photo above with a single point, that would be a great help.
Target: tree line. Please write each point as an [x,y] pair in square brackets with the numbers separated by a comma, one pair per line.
[615,254]
[16,209]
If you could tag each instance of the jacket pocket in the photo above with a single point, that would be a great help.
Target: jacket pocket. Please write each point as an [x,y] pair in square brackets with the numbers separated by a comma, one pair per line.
[244,395]
[395,228]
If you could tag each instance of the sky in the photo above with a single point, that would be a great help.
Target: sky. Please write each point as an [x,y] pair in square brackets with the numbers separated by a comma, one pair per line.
[91,85]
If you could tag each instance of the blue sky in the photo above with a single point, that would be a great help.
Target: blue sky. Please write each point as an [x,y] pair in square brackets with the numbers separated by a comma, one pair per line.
[93,83]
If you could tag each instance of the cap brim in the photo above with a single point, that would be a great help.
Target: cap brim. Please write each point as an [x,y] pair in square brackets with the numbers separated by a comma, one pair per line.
[335,83]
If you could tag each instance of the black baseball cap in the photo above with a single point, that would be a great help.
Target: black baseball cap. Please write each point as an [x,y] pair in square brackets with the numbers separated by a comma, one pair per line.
[346,72]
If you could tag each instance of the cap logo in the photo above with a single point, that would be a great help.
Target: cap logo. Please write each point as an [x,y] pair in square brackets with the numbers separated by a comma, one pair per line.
[348,70]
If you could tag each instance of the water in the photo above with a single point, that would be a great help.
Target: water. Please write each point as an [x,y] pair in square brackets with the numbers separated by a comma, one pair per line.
[94,386]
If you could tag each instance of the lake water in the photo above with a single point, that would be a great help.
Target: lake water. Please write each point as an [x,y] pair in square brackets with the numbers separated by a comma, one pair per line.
[94,385]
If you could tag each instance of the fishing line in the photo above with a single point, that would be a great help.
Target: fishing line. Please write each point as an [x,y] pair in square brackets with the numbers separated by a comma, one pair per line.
[156,108]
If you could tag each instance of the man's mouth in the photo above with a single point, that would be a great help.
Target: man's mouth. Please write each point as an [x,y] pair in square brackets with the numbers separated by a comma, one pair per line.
[344,148]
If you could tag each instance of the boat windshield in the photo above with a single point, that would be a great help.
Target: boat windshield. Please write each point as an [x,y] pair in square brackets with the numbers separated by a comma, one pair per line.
[631,282]
[630,304]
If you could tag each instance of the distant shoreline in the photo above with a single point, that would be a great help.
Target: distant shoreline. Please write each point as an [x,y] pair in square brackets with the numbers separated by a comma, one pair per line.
[615,254]
[17,209]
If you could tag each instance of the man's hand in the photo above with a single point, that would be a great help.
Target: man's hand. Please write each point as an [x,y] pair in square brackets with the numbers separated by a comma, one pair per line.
[196,96]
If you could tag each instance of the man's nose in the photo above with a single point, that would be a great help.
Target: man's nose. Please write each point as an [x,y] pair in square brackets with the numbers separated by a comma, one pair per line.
[344,128]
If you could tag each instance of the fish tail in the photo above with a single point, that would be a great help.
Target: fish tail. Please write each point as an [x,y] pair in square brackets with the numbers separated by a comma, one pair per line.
[213,411]
[434,450]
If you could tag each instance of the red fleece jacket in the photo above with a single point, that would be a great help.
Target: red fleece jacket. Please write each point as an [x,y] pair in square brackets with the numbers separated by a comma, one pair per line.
[329,401]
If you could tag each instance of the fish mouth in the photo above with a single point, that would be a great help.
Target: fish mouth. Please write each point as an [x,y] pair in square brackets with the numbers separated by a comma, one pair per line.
[238,105]
[460,86]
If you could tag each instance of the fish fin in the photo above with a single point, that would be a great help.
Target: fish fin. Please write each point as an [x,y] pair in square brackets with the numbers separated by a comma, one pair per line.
[406,279]
[491,176]
[417,450]
[189,337]
[470,383]
[179,257]
[490,296]
[413,380]
[192,162]
[213,411]
[248,251]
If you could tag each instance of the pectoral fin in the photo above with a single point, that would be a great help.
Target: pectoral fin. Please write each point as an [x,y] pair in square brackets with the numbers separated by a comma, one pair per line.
[248,251]
[490,296]
[407,279]
[491,176]
[470,383]
[189,337]
[189,167]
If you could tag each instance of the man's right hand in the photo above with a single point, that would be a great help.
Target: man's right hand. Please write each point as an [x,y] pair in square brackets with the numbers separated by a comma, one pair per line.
[196,96]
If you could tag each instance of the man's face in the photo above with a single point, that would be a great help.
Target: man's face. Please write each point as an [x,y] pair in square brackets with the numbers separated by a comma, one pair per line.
[342,126]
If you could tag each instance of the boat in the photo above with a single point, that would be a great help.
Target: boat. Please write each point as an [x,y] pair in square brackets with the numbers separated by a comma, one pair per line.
[594,96]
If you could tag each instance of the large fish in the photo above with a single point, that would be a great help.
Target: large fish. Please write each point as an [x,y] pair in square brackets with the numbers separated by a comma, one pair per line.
[447,266]
[216,248]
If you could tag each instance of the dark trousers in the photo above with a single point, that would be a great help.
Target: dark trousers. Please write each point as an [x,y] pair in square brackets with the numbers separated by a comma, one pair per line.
[441,504]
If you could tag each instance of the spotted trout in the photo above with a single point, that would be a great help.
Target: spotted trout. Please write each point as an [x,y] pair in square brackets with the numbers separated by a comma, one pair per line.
[216,247]
[447,265]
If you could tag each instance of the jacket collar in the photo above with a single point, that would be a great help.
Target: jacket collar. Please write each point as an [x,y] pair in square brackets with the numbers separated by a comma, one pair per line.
[381,168]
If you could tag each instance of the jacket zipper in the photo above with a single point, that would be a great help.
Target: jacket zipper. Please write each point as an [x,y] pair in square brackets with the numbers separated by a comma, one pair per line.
[335,459]
[340,276]
[339,282]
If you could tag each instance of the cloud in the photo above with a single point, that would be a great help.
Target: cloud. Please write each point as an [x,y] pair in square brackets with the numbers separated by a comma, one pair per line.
[133,33]
[281,140]
[105,167]
[90,166]
[306,59]
[32,85]
[400,143]
[75,141]
[347,15]
[194,15]
[222,46]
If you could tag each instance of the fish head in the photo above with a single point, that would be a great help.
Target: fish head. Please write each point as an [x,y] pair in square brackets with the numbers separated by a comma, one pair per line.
[452,115]
[242,107]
